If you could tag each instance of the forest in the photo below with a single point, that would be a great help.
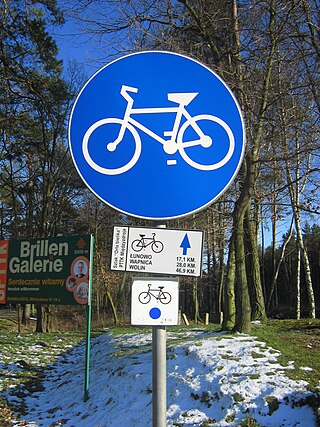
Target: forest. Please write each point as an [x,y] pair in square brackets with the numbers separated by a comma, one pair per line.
[262,236]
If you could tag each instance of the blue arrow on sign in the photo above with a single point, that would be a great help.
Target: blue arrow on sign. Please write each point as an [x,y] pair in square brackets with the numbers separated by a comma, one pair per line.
[185,244]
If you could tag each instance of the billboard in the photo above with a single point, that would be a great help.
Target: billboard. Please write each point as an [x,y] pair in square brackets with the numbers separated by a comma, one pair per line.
[52,270]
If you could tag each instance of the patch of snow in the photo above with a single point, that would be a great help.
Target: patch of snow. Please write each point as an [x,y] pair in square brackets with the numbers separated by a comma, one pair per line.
[211,378]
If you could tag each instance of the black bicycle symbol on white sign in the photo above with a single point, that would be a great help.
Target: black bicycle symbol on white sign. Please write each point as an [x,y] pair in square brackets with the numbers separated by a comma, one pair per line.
[158,294]
[139,244]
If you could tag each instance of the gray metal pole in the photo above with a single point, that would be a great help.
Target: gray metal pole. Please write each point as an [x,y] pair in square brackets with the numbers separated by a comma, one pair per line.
[159,376]
[159,370]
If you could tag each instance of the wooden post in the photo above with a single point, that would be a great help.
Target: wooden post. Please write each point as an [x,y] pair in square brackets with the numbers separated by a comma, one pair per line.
[207,319]
[185,319]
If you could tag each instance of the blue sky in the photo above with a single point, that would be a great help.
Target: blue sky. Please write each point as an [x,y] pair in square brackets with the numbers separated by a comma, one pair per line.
[74,46]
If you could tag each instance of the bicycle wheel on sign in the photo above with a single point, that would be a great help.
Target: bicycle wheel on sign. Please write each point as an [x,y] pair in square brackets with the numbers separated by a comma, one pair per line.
[206,142]
[137,245]
[144,297]
[96,146]
[165,298]
[157,246]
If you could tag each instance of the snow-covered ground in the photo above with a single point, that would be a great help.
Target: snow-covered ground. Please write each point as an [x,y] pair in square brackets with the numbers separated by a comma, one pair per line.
[212,380]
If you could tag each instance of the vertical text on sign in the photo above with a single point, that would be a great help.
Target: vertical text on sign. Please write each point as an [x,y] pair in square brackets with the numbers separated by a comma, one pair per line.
[3,269]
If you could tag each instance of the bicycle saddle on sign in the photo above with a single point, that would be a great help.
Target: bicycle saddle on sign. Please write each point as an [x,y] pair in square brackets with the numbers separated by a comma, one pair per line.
[182,98]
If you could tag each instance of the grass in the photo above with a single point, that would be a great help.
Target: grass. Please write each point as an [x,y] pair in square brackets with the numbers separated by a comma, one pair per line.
[298,341]
[7,325]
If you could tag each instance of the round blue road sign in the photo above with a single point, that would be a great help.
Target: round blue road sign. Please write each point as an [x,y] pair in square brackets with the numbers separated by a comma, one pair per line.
[156,135]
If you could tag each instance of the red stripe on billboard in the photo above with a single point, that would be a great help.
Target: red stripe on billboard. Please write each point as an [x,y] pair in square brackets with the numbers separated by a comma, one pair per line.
[3,270]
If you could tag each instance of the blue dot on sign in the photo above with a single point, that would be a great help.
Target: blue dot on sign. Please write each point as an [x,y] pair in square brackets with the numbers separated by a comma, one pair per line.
[155,313]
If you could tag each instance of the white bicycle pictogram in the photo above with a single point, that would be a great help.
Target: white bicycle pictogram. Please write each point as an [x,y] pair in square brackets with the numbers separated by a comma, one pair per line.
[170,146]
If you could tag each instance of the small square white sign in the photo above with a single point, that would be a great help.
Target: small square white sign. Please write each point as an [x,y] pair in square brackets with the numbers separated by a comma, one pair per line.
[154,301]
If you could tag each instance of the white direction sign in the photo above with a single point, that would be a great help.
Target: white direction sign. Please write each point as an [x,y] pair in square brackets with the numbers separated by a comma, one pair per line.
[157,250]
[154,301]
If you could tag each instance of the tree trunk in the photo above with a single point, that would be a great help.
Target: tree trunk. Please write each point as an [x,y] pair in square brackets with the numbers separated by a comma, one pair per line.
[250,172]
[243,308]
[277,269]
[113,307]
[294,191]
[45,319]
[229,307]
[39,324]
[26,310]
[298,285]
[305,259]
[296,184]
[195,299]
[257,300]
[274,233]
